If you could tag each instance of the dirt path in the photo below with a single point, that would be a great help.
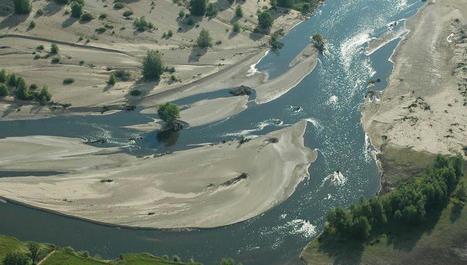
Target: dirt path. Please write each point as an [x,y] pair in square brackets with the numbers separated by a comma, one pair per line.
[46,257]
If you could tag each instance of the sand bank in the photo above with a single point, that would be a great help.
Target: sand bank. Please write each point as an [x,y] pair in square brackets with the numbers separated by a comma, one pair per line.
[202,187]
[424,106]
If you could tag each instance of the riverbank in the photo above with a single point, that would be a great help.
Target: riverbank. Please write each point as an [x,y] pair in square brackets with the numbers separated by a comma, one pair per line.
[424,106]
[89,57]
[208,186]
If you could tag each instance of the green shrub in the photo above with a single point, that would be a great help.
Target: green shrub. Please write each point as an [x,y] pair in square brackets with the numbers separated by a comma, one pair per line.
[54,48]
[119,5]
[40,47]
[211,10]
[102,16]
[32,24]
[2,76]
[153,66]
[33,87]
[204,39]
[198,7]
[11,80]
[4,91]
[236,27]
[112,79]
[68,81]
[239,11]
[127,13]
[318,42]
[86,17]
[44,96]
[141,24]
[181,14]
[122,75]
[55,60]
[135,93]
[39,12]
[22,6]
[101,30]
[169,113]
[76,9]
[16,258]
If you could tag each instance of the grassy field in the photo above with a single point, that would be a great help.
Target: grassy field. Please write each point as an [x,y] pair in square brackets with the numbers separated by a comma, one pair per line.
[67,256]
[439,240]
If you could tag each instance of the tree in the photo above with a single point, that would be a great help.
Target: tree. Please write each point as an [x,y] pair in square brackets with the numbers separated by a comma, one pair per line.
[153,66]
[239,11]
[169,113]
[76,9]
[2,76]
[34,252]
[53,48]
[318,42]
[360,228]
[22,6]
[112,79]
[44,96]
[198,7]
[204,39]
[211,10]
[236,27]
[16,258]
[11,80]
[4,91]
[265,20]
[22,91]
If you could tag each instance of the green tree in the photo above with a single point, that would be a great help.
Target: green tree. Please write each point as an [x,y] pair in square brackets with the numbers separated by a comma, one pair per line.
[236,27]
[153,66]
[34,252]
[112,79]
[22,6]
[22,91]
[211,10]
[318,42]
[76,9]
[4,91]
[53,48]
[204,39]
[11,80]
[16,258]
[2,76]
[239,11]
[285,3]
[169,113]
[265,20]
[360,228]
[198,7]
[44,96]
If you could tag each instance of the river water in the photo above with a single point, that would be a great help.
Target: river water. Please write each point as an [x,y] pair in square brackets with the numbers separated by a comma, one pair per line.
[329,98]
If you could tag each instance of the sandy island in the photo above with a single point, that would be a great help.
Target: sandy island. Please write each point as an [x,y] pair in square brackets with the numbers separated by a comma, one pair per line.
[207,186]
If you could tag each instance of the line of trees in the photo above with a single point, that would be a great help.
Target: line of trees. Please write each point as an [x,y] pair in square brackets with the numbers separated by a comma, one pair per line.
[11,84]
[409,204]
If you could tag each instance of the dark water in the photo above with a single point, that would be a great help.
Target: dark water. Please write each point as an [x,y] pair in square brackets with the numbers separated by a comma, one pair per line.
[330,99]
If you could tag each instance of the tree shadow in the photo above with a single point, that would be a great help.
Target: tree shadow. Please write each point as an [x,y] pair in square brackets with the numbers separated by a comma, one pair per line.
[256,36]
[183,23]
[12,21]
[52,8]
[168,137]
[345,252]
[196,53]
[456,211]
[68,22]
[144,87]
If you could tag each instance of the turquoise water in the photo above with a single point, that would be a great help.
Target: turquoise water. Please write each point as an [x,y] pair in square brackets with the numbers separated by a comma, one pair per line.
[329,98]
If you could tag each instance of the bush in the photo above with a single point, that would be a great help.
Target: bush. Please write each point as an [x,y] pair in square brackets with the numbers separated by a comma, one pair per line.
[62,2]
[236,27]
[54,48]
[11,80]
[101,30]
[4,91]
[112,79]
[55,60]
[33,87]
[68,81]
[2,76]
[127,13]
[135,93]
[102,16]
[265,20]
[40,47]
[153,66]
[39,12]
[32,24]
[22,6]
[76,9]
[16,258]
[211,10]
[181,14]
[318,42]
[238,11]
[169,113]
[119,5]
[198,7]
[44,96]
[22,91]
[86,17]
[204,39]
[141,24]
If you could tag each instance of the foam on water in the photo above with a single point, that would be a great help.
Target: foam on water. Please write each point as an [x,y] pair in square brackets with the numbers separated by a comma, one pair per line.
[259,127]
[336,178]
[352,46]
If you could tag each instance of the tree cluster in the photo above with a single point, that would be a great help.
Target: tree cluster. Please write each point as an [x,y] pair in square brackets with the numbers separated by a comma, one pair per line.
[22,6]
[32,256]
[409,204]
[16,85]
[153,66]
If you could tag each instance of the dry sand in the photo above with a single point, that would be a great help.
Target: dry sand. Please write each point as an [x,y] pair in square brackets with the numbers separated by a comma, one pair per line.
[424,106]
[200,187]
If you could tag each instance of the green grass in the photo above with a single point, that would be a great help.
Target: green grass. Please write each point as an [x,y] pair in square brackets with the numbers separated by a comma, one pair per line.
[439,240]
[67,256]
